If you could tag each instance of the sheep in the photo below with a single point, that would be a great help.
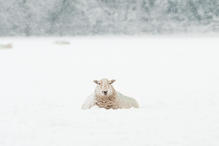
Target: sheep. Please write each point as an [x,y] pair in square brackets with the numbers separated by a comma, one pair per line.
[105,96]
[62,43]
[6,46]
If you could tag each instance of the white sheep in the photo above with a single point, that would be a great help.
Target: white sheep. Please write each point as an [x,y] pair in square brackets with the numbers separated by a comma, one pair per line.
[105,96]
[6,46]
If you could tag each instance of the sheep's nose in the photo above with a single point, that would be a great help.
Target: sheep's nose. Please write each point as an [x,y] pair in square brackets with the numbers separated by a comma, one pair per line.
[104,92]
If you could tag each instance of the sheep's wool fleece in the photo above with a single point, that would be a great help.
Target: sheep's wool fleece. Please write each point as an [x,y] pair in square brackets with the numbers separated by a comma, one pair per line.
[120,101]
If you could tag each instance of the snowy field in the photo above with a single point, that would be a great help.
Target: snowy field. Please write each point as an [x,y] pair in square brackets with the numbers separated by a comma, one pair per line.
[44,83]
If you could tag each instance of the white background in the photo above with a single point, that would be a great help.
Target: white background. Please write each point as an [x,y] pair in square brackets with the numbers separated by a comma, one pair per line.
[175,81]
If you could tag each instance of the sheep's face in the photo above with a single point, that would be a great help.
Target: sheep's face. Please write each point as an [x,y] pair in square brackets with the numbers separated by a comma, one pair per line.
[104,87]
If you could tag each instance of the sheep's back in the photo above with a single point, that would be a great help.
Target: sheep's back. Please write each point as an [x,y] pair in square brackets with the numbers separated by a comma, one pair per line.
[126,102]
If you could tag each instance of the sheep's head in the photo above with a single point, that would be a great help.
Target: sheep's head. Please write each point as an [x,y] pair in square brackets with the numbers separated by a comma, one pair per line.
[104,87]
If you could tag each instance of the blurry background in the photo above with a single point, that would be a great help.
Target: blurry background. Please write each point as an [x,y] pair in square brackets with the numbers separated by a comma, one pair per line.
[98,17]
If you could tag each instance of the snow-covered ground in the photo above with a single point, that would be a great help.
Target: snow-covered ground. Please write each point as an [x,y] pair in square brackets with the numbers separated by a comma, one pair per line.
[175,80]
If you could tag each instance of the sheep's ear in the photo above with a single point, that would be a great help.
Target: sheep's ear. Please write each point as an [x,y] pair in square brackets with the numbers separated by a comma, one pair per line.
[97,82]
[112,81]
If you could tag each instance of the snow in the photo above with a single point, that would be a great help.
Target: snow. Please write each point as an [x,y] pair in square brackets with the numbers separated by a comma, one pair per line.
[175,81]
